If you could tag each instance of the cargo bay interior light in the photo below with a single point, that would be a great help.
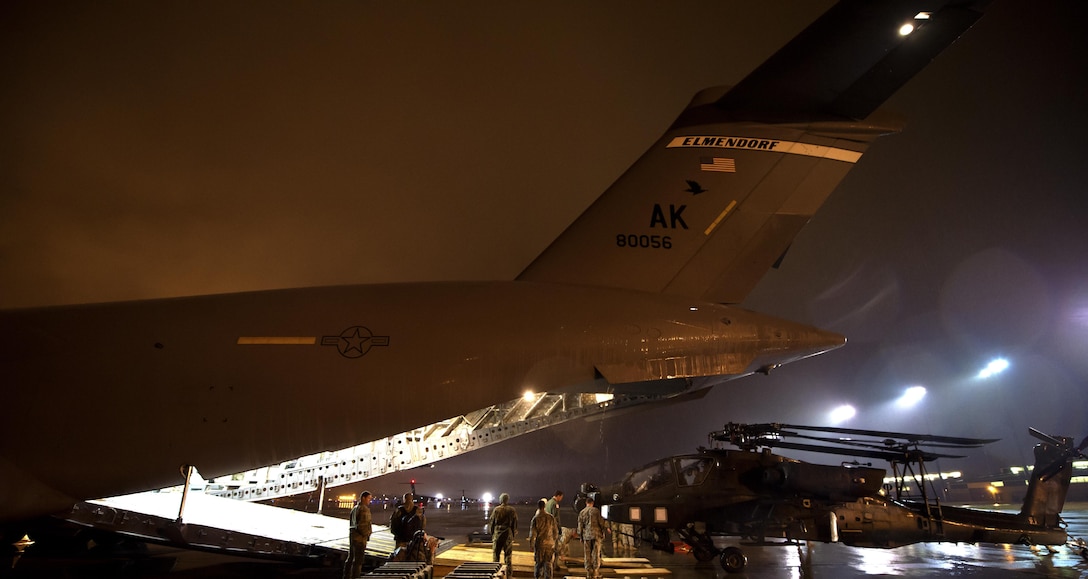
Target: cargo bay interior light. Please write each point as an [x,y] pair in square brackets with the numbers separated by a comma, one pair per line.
[909,26]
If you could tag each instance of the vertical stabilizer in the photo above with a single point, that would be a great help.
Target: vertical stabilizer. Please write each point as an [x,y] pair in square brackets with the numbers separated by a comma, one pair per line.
[709,208]
[719,198]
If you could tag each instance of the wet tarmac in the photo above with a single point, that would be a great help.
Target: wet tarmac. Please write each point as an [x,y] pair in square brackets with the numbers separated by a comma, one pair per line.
[813,560]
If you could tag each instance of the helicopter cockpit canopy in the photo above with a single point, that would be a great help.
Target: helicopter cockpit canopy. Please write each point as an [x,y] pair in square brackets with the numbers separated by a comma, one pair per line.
[679,471]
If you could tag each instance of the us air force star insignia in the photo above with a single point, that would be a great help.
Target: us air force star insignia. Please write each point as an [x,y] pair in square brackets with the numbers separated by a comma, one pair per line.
[355,341]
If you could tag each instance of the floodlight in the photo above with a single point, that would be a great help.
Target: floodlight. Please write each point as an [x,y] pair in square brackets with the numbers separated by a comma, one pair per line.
[911,396]
[842,414]
[995,367]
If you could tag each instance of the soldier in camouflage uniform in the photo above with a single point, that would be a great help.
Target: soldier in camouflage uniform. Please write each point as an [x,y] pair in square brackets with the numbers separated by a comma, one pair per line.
[562,545]
[358,535]
[591,529]
[503,525]
[543,534]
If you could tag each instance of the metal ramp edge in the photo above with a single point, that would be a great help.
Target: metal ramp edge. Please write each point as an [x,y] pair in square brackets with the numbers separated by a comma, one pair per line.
[425,445]
[227,526]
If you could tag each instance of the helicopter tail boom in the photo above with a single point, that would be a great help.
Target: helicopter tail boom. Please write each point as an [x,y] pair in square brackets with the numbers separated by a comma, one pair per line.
[1050,478]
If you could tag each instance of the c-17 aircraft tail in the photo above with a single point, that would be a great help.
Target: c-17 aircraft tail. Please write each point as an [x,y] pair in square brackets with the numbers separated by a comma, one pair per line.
[710,208]
[629,297]
[718,199]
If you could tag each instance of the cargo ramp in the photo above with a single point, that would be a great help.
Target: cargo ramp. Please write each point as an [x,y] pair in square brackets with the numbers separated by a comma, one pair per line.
[227,514]
[434,442]
[227,526]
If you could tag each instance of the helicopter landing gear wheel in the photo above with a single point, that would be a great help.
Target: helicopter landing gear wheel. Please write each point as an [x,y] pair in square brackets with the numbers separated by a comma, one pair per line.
[733,560]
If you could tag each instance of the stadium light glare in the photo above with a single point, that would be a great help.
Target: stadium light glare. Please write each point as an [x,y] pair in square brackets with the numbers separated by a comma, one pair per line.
[995,367]
[911,396]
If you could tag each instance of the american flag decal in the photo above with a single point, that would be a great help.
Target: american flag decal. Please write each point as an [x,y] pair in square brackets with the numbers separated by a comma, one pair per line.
[718,164]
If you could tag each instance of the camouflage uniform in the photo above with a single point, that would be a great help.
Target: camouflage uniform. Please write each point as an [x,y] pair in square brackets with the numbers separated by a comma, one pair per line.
[591,529]
[562,546]
[543,533]
[503,525]
[358,535]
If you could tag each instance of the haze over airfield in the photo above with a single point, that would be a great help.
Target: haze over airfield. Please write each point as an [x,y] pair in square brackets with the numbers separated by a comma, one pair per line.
[157,150]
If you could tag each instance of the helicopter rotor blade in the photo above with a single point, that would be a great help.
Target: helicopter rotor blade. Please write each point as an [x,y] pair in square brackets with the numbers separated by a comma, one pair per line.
[951,440]
[894,447]
[876,445]
[884,444]
[888,455]
[1056,466]
[1045,437]
[1068,452]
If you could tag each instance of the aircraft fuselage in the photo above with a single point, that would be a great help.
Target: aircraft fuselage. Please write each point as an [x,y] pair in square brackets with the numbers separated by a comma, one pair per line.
[214,381]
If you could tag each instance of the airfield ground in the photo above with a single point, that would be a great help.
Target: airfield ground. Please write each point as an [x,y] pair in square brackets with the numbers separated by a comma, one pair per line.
[815,560]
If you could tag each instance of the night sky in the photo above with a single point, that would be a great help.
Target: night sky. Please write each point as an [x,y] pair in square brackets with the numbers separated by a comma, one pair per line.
[169,149]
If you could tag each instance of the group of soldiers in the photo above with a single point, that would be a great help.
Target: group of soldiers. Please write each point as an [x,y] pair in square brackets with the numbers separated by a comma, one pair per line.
[549,539]
[406,523]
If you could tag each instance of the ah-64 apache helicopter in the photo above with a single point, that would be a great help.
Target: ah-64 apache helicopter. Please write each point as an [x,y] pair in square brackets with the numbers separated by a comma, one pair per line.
[755,494]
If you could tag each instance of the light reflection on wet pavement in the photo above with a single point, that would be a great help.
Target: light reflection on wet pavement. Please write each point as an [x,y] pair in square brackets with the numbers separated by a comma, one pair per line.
[808,561]
[836,561]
